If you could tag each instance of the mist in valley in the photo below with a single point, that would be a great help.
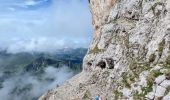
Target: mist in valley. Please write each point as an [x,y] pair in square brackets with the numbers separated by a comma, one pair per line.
[24,86]
[42,44]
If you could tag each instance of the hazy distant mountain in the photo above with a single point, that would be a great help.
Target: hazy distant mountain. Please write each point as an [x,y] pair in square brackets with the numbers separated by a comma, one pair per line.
[37,67]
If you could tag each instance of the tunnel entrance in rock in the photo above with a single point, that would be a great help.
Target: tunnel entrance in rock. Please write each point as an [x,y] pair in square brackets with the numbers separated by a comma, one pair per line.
[102,64]
[110,63]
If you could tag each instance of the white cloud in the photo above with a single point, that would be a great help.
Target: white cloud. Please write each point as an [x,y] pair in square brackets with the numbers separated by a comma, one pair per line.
[63,20]
[44,44]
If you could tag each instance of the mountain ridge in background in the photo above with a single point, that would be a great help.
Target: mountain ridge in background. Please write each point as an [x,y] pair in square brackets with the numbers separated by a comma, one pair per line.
[36,72]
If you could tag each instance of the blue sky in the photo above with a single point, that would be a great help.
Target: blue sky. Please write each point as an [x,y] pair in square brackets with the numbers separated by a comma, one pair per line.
[44,25]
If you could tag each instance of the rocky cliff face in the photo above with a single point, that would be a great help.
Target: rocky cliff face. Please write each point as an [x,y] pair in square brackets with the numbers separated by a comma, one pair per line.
[129,57]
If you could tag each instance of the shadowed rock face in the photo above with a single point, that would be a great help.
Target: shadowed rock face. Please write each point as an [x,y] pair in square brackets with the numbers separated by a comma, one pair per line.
[136,35]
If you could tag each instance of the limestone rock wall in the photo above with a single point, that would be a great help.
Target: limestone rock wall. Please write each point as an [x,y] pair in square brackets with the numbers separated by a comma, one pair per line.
[129,57]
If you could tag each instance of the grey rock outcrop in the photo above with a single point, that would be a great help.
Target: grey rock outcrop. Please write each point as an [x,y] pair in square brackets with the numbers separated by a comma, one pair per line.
[135,36]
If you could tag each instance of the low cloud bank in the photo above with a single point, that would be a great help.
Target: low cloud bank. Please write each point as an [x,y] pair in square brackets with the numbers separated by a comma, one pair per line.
[47,45]
[45,26]
[27,87]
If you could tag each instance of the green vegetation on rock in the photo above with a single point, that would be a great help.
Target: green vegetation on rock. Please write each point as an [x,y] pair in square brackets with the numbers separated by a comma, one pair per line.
[152,58]
[128,79]
[138,96]
[117,94]
[152,75]
[168,60]
[138,67]
[150,81]
[95,50]
[161,47]
[166,64]
[147,89]
[167,90]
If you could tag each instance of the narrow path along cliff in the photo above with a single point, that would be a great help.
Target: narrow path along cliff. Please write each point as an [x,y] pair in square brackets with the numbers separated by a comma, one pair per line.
[129,57]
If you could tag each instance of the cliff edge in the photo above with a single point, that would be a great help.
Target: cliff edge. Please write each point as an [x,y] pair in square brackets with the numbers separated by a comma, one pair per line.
[129,57]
